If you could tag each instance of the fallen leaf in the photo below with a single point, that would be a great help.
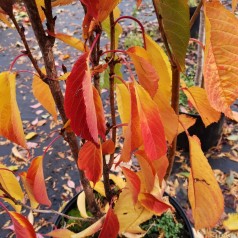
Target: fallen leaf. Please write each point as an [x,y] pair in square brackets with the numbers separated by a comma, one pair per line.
[30,135]
[231,223]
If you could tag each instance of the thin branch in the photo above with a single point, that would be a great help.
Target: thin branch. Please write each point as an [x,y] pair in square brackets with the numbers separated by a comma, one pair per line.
[112,84]
[28,51]
[195,14]
[106,180]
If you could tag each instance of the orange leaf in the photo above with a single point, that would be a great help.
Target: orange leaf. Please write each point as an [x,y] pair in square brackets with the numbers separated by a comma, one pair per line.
[10,183]
[146,72]
[133,139]
[160,61]
[147,172]
[22,226]
[151,126]
[204,193]
[108,147]
[198,97]
[153,204]
[100,113]
[70,40]
[36,183]
[168,116]
[220,66]
[185,121]
[79,101]
[29,190]
[138,3]
[5,20]
[90,160]
[234,5]
[42,93]
[133,183]
[55,3]
[160,165]
[110,226]
[60,233]
[124,108]
[10,119]
[130,215]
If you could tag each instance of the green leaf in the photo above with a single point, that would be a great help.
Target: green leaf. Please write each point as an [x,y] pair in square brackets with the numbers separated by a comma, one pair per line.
[175,16]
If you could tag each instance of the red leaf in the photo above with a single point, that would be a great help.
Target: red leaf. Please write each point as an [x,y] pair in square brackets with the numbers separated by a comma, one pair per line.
[108,147]
[153,204]
[79,103]
[133,183]
[90,160]
[36,183]
[133,139]
[100,113]
[110,226]
[22,226]
[151,126]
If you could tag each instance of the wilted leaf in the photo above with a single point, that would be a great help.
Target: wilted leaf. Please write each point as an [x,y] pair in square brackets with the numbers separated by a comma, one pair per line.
[4,19]
[231,223]
[130,216]
[10,183]
[160,61]
[198,97]
[10,119]
[151,126]
[90,161]
[101,124]
[108,147]
[220,66]
[79,102]
[204,194]
[81,204]
[110,226]
[133,183]
[145,70]
[36,183]
[60,233]
[175,17]
[42,93]
[30,135]
[22,226]
[70,40]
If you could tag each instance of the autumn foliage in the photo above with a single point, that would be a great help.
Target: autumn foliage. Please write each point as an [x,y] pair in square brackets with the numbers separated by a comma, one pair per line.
[148,114]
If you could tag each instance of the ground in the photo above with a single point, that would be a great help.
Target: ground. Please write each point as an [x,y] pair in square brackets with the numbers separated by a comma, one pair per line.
[59,168]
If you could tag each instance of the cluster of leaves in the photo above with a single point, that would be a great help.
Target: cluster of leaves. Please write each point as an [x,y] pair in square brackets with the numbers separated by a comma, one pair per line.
[166,223]
[150,119]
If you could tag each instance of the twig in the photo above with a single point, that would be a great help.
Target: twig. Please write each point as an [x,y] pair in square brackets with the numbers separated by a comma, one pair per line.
[195,14]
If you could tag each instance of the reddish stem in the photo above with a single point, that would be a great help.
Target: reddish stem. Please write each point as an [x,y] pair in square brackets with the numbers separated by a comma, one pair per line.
[51,143]
[198,42]
[114,51]
[14,61]
[136,20]
[94,43]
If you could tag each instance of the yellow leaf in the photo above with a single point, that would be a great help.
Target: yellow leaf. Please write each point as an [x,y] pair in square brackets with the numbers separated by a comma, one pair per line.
[64,76]
[130,216]
[30,135]
[70,40]
[10,183]
[5,20]
[220,66]
[124,108]
[198,97]
[117,180]
[42,93]
[40,4]
[81,204]
[10,119]
[231,223]
[160,61]
[99,187]
[60,233]
[204,193]
[185,121]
